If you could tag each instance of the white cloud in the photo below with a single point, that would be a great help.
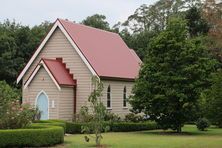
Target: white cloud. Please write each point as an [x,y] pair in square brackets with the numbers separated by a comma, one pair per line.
[31,12]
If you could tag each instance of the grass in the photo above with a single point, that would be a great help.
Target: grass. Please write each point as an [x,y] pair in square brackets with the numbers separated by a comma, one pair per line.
[190,138]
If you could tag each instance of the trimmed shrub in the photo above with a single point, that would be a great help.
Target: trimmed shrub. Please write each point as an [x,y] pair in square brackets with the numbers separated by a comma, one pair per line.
[33,136]
[75,128]
[130,126]
[49,121]
[202,124]
[60,123]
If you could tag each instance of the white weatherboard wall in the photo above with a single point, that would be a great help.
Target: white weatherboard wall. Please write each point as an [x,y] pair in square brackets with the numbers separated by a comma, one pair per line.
[59,46]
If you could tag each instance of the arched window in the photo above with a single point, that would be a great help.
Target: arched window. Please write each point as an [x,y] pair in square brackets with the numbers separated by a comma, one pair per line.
[108,97]
[124,96]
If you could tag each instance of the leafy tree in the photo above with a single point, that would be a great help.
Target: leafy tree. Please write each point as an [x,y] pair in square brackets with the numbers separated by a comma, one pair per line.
[138,41]
[17,43]
[155,17]
[8,50]
[213,100]
[96,114]
[196,24]
[97,21]
[12,113]
[172,76]
[212,11]
[148,21]
[7,94]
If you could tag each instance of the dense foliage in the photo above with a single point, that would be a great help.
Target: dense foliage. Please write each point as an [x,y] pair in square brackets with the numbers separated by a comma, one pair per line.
[202,124]
[131,117]
[34,136]
[7,94]
[212,100]
[175,72]
[17,44]
[12,114]
[97,21]
[17,116]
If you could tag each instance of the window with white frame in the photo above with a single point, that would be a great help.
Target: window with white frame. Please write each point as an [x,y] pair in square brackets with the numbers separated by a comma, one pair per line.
[124,97]
[108,104]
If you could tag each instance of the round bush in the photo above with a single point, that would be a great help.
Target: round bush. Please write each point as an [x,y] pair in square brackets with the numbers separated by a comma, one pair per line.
[202,124]
[33,136]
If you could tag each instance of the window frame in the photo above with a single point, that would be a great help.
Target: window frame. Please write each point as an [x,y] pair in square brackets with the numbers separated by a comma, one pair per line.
[110,95]
[125,97]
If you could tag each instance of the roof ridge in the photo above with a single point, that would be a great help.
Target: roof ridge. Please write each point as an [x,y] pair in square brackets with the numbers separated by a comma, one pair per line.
[98,29]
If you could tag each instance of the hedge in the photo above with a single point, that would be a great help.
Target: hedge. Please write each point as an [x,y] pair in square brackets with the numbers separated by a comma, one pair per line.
[34,136]
[130,126]
[75,128]
[60,123]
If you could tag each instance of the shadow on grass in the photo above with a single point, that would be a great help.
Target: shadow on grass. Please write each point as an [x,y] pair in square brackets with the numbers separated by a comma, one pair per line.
[100,146]
[208,132]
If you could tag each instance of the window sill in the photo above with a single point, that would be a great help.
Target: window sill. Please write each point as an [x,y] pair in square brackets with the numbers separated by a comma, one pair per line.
[125,107]
[109,108]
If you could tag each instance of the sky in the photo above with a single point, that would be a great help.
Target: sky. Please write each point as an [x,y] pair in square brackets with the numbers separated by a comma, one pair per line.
[33,12]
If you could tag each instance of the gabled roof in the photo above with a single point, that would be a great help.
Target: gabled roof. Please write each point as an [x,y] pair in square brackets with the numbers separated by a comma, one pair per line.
[56,70]
[59,71]
[104,53]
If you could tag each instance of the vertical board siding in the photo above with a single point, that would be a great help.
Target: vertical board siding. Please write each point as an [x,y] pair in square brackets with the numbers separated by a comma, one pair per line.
[117,88]
[59,46]
[42,81]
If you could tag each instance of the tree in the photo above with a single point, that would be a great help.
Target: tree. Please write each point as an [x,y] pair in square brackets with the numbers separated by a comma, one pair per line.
[155,17]
[138,41]
[7,94]
[213,100]
[148,21]
[97,21]
[17,43]
[196,24]
[95,115]
[172,76]
[212,11]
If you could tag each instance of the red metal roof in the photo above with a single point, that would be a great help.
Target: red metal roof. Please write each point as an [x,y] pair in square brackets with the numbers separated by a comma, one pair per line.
[59,72]
[105,51]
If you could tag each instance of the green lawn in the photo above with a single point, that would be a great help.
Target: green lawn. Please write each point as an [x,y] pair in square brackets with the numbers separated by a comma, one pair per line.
[191,138]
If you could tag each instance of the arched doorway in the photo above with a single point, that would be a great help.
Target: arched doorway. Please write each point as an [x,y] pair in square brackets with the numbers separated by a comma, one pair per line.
[42,104]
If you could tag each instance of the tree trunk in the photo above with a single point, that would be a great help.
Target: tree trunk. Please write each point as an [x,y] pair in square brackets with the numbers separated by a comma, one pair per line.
[97,140]
[179,129]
